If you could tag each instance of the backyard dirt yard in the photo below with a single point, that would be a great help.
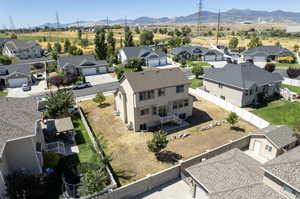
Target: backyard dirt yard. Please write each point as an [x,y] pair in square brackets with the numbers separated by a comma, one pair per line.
[131,159]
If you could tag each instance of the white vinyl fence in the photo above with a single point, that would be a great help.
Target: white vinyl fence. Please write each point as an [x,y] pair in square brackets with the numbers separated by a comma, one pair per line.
[245,115]
[291,82]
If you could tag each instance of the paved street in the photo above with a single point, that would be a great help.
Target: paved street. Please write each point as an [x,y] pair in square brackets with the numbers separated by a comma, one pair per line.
[97,88]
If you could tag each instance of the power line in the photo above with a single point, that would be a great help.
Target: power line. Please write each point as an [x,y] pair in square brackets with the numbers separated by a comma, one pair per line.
[218,29]
[199,17]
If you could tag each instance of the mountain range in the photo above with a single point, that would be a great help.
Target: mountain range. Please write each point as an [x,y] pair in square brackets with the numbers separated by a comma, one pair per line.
[227,17]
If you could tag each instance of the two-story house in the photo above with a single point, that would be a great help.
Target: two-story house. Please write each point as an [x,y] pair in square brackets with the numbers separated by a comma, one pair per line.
[241,84]
[153,98]
[22,49]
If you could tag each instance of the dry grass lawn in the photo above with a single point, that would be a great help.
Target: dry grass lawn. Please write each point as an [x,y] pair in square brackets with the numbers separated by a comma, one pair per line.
[130,157]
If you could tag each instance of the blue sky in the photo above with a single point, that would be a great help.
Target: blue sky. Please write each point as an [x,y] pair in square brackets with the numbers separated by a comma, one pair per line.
[35,12]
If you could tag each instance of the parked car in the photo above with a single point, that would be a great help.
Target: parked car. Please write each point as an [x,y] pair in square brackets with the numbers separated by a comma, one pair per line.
[40,76]
[26,87]
[81,85]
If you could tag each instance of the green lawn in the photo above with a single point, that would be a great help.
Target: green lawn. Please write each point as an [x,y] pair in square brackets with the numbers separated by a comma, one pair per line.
[295,89]
[198,63]
[284,65]
[196,83]
[2,93]
[280,112]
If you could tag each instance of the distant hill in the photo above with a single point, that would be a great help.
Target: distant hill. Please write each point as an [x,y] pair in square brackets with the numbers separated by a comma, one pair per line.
[229,17]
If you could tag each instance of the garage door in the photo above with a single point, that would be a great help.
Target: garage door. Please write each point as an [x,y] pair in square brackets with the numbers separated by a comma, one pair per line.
[259,59]
[102,70]
[163,61]
[89,71]
[18,82]
[220,58]
[153,62]
[257,147]
[210,58]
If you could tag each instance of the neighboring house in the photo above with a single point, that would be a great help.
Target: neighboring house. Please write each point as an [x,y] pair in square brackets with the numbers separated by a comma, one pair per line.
[82,65]
[282,174]
[20,137]
[231,175]
[186,52]
[15,75]
[22,49]
[3,41]
[151,57]
[266,53]
[153,98]
[272,141]
[241,84]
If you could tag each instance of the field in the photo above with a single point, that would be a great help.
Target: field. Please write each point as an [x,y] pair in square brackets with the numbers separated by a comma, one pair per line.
[131,159]
[280,112]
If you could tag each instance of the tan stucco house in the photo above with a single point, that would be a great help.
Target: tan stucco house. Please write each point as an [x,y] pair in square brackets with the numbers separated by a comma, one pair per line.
[241,84]
[272,141]
[153,98]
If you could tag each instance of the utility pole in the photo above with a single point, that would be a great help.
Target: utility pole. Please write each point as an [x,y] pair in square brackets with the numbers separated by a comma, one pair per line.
[199,17]
[218,29]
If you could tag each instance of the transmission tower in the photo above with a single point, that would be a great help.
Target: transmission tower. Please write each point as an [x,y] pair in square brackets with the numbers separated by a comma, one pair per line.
[126,21]
[57,20]
[218,28]
[12,25]
[199,16]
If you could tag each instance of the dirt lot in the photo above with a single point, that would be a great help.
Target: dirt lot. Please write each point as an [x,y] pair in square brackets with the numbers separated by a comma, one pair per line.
[130,157]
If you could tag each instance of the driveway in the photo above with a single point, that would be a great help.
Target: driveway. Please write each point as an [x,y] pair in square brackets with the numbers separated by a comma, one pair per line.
[100,79]
[39,88]
[174,190]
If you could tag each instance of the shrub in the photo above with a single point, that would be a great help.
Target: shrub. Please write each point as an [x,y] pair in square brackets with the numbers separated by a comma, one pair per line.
[51,160]
[56,81]
[99,99]
[158,142]
[5,60]
[293,72]
[270,67]
[232,118]
[197,71]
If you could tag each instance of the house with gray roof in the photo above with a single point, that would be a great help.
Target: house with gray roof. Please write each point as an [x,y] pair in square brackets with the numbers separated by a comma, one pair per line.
[197,52]
[272,141]
[282,174]
[15,75]
[150,56]
[231,175]
[266,53]
[20,137]
[241,84]
[153,98]
[82,65]
[22,49]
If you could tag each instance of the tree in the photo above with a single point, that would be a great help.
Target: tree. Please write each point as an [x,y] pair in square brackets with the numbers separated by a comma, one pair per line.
[232,118]
[158,142]
[99,99]
[111,45]
[134,63]
[54,54]
[270,67]
[177,32]
[255,42]
[233,43]
[57,47]
[5,60]
[175,42]
[67,46]
[146,38]
[186,31]
[293,72]
[186,40]
[84,42]
[92,181]
[49,47]
[100,44]
[277,43]
[128,40]
[296,48]
[79,34]
[197,71]
[137,30]
[58,103]
[13,36]
[56,81]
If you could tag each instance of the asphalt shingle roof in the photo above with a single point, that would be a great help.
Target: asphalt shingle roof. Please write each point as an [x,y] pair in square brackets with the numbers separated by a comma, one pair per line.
[191,49]
[155,78]
[79,61]
[141,52]
[269,50]
[20,44]
[227,171]
[286,167]
[18,119]
[20,68]
[279,135]
[242,76]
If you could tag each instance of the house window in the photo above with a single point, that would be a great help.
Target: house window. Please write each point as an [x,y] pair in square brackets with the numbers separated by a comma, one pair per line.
[175,105]
[154,110]
[144,112]
[147,95]
[143,127]
[186,102]
[180,89]
[289,192]
[251,92]
[161,92]
[182,116]
[220,86]
[38,147]
[268,148]
[246,93]
[223,97]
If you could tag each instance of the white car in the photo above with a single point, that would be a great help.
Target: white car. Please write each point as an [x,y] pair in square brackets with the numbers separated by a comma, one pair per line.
[26,87]
[40,76]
